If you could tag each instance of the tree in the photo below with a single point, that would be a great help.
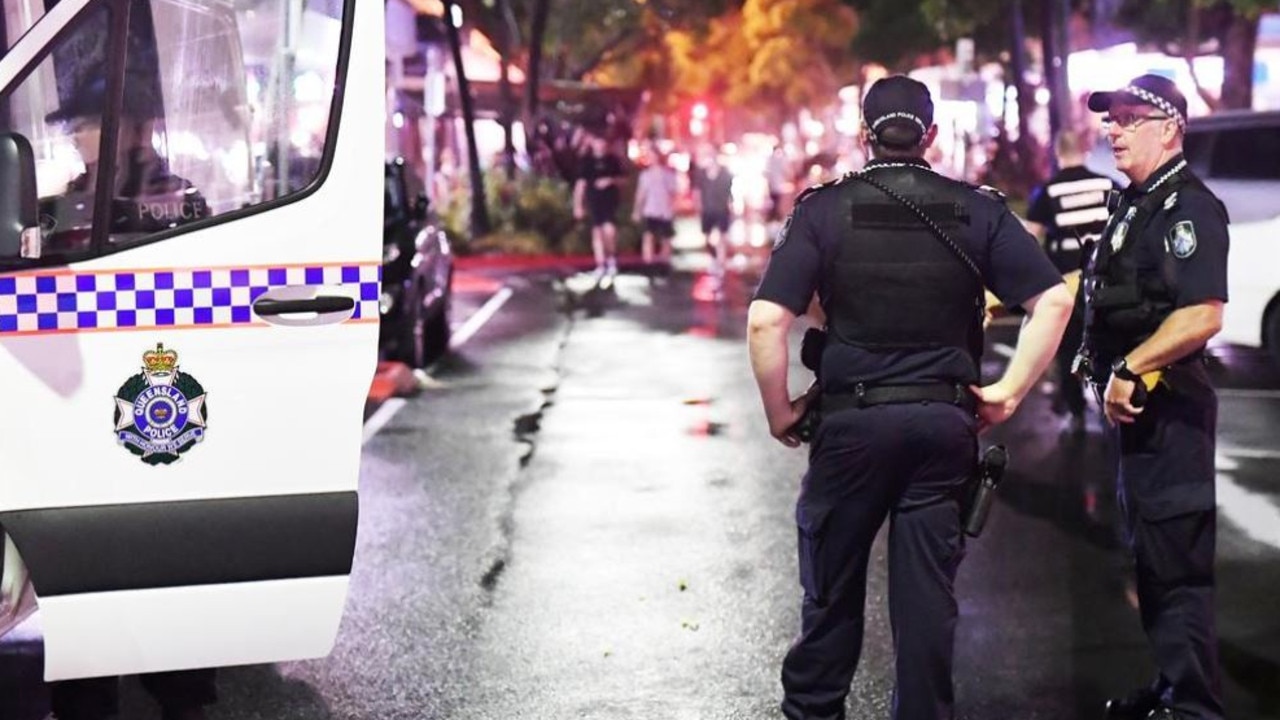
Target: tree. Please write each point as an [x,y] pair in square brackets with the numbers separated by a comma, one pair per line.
[479,209]
[1191,28]
[769,58]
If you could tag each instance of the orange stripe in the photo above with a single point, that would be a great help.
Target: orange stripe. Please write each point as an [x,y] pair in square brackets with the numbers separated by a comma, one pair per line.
[162,328]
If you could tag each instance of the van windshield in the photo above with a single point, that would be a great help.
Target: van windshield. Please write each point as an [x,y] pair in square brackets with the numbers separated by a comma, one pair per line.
[226,105]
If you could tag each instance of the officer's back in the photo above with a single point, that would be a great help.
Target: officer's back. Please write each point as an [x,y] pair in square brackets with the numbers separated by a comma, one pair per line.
[898,257]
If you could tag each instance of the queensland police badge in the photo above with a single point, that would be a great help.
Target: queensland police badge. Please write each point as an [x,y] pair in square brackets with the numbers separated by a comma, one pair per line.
[160,412]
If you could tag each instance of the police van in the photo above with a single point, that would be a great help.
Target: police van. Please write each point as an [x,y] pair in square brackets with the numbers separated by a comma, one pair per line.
[1237,154]
[189,279]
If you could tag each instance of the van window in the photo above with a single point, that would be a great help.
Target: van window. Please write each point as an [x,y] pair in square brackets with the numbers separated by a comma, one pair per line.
[226,106]
[18,17]
[1246,154]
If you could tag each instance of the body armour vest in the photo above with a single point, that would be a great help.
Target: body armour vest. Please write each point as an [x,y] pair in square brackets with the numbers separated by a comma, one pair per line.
[1125,306]
[894,285]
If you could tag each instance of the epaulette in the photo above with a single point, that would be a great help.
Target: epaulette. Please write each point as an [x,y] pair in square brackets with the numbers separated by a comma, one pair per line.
[990,192]
[815,189]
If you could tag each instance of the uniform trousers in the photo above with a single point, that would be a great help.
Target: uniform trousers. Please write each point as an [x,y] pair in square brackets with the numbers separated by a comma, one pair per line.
[1167,495]
[908,463]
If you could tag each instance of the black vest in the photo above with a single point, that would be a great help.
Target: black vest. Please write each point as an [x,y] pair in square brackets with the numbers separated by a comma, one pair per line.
[1125,307]
[894,285]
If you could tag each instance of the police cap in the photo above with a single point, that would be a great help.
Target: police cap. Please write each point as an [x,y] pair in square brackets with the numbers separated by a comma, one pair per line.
[1155,90]
[898,111]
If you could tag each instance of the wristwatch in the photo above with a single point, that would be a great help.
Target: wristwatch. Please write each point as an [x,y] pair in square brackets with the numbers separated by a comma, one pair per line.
[1120,369]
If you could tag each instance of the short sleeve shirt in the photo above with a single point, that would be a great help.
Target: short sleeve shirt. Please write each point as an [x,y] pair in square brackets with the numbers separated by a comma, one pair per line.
[1014,267]
[591,168]
[1191,230]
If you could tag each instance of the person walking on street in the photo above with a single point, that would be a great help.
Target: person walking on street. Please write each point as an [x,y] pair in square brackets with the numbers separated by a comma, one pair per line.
[898,393]
[655,209]
[713,197]
[1069,213]
[596,195]
[1155,287]
[777,175]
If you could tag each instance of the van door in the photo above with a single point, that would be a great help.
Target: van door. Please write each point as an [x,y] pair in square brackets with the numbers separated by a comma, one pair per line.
[185,364]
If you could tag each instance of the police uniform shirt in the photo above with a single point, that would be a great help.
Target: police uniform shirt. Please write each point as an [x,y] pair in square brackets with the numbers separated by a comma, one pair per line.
[1013,265]
[1191,227]
[1072,206]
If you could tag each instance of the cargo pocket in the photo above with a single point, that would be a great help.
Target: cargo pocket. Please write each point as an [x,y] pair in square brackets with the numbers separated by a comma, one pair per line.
[810,545]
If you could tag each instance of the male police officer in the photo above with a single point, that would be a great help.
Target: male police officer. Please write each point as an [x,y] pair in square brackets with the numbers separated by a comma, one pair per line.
[898,433]
[1069,213]
[1155,288]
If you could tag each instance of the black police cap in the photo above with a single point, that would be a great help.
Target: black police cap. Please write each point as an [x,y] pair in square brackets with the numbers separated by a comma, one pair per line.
[1155,90]
[900,102]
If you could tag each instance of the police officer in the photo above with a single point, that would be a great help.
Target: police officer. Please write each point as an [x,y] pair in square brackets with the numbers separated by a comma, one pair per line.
[1155,288]
[1069,212]
[900,406]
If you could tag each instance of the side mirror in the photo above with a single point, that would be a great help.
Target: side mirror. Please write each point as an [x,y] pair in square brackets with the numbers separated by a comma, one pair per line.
[19,207]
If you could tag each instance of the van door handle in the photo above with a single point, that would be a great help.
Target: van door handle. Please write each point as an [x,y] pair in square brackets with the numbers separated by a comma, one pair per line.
[324,304]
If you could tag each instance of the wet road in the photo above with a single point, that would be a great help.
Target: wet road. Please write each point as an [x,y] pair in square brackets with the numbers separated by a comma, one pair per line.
[582,516]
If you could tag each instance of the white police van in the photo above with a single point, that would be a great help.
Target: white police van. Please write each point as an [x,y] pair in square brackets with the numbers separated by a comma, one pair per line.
[1237,154]
[189,277]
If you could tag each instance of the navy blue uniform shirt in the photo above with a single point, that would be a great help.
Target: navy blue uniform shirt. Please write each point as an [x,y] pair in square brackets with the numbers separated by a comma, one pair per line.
[1192,228]
[1014,267]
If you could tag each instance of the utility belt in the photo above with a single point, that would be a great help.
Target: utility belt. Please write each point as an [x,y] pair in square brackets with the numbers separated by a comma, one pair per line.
[866,396]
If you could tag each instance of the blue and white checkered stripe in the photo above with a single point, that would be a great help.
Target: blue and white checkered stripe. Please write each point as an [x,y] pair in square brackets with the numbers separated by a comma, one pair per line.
[55,302]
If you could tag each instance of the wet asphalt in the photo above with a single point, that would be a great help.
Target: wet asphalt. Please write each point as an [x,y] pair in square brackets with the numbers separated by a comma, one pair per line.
[582,515]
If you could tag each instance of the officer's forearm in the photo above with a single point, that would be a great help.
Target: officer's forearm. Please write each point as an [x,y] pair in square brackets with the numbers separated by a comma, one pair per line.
[767,328]
[1182,333]
[1038,339]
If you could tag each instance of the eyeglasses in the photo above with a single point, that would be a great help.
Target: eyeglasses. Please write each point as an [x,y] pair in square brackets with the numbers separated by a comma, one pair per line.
[1128,121]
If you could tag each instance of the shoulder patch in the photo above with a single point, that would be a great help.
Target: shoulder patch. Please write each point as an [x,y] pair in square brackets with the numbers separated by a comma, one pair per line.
[1181,240]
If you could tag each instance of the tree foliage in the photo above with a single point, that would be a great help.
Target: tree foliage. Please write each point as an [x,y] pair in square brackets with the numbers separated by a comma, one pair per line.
[769,57]
[1189,28]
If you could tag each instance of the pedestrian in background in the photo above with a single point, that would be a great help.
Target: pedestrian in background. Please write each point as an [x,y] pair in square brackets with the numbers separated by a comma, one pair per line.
[655,209]
[899,402]
[713,198]
[777,176]
[1068,213]
[1156,284]
[596,196]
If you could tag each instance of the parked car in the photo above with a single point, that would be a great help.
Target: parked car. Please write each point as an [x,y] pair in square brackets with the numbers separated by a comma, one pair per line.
[1237,154]
[417,273]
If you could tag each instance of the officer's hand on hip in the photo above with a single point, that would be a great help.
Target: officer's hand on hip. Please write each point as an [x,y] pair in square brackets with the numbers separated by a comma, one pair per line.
[1118,401]
[780,424]
[996,403]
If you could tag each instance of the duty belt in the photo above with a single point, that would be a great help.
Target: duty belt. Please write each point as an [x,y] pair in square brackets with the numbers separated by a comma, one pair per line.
[865,396]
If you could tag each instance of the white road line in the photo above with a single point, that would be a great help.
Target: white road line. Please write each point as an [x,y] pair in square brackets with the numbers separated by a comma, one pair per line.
[1247,454]
[1252,512]
[1002,349]
[482,316]
[381,417]
[1249,394]
[388,409]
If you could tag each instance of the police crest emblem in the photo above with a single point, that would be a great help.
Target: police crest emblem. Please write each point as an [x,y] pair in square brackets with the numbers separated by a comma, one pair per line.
[1122,229]
[1182,240]
[160,412]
